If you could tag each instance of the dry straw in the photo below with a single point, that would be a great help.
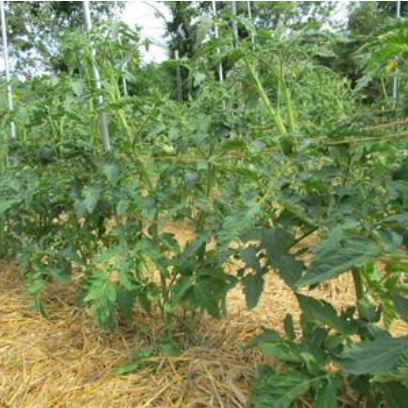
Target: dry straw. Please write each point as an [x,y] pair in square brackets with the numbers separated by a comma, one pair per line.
[64,362]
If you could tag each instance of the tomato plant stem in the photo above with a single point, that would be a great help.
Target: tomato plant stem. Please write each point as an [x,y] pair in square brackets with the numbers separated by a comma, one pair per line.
[358,283]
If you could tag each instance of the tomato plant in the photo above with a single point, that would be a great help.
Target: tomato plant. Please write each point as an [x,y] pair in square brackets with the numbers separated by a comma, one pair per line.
[255,166]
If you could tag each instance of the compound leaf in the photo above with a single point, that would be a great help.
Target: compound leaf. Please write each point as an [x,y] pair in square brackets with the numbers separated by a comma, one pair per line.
[376,357]
[279,390]
[319,311]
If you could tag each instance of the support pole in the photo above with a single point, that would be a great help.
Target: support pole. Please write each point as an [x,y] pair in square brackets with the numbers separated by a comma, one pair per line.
[250,18]
[124,67]
[234,22]
[217,36]
[395,79]
[6,67]
[178,77]
[103,121]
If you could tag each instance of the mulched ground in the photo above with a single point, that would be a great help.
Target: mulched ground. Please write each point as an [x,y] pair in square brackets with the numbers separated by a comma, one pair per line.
[65,362]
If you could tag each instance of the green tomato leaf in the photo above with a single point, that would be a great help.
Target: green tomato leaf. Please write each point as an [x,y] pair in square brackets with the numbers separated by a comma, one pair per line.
[326,394]
[400,373]
[126,368]
[283,351]
[122,207]
[279,390]
[395,394]
[276,241]
[253,287]
[368,311]
[377,357]
[91,195]
[5,206]
[209,292]
[126,302]
[289,327]
[249,256]
[178,290]
[319,312]
[334,258]
[111,172]
[401,306]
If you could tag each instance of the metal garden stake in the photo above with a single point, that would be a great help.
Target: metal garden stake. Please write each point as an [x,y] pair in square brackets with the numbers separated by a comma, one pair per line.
[6,67]
[103,121]
[250,18]
[178,77]
[217,36]
[395,79]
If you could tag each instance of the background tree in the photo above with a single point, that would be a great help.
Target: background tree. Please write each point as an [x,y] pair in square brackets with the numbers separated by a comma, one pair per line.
[363,19]
[182,29]
[34,29]
[292,14]
[190,21]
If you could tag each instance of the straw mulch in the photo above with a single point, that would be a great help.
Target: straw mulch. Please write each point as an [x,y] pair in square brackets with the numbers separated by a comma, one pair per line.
[64,362]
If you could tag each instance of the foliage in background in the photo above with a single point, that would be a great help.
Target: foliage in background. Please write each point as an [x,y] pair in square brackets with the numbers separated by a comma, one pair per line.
[35,27]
